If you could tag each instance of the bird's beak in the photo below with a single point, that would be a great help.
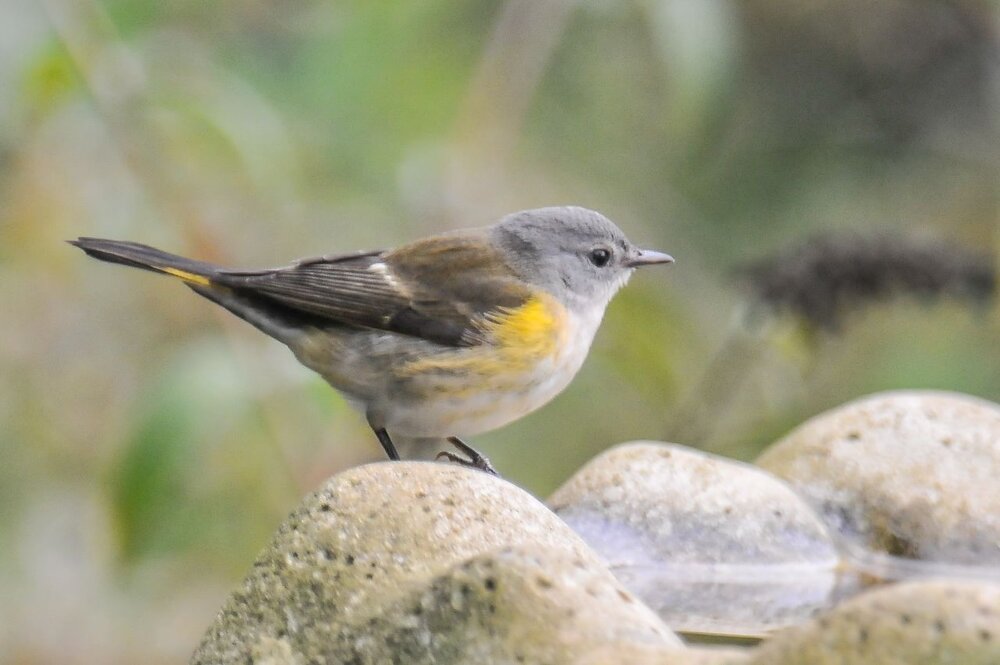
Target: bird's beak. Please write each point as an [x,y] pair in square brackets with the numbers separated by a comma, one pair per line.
[647,257]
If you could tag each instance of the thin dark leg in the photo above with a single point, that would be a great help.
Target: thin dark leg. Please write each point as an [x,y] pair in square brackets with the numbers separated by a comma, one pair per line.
[475,459]
[383,438]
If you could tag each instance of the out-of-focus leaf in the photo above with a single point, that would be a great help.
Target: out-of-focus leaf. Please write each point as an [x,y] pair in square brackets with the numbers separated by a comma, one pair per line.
[155,495]
[49,79]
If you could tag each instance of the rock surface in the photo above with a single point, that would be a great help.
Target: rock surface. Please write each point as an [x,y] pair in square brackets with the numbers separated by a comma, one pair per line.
[911,474]
[512,606]
[710,543]
[636,654]
[651,502]
[916,623]
[405,558]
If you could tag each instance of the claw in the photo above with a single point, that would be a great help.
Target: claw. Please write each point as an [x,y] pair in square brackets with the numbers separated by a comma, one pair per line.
[474,461]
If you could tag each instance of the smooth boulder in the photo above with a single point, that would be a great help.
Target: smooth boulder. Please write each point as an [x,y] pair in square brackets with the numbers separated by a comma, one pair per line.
[915,623]
[712,544]
[912,474]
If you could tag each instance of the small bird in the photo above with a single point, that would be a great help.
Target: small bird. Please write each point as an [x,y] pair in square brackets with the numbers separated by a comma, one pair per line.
[444,337]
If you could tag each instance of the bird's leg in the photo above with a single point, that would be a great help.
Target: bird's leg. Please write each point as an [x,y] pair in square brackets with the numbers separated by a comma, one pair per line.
[383,438]
[476,460]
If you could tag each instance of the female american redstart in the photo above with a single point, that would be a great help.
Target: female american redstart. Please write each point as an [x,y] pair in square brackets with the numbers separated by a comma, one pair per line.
[447,336]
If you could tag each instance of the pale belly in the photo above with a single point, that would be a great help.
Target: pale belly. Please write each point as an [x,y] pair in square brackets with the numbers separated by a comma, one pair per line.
[469,403]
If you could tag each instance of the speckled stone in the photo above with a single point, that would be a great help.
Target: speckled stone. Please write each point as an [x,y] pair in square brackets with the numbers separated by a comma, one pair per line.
[911,474]
[916,623]
[712,544]
[517,605]
[635,654]
[373,539]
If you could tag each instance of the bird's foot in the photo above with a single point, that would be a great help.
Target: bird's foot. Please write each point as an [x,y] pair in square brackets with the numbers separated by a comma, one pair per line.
[474,459]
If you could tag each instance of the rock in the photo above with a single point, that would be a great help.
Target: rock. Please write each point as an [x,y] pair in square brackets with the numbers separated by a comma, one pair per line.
[713,545]
[911,474]
[659,502]
[636,654]
[517,605]
[359,552]
[915,623]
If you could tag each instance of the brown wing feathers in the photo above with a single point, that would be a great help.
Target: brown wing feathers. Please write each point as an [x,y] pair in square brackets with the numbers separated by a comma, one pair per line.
[423,290]
[343,292]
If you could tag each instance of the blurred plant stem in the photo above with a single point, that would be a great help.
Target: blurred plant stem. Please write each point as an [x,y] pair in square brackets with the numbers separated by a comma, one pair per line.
[489,123]
[116,79]
[698,415]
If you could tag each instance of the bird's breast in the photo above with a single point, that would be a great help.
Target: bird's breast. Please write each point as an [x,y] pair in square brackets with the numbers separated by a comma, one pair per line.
[533,352]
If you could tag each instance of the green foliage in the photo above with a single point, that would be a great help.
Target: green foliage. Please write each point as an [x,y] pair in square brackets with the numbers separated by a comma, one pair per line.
[50,80]
[163,490]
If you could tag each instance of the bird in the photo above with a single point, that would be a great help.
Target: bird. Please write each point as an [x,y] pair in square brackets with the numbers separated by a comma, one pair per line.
[444,337]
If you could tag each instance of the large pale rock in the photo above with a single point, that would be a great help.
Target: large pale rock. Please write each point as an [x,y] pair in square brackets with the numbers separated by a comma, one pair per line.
[512,606]
[372,563]
[636,654]
[916,623]
[651,503]
[712,544]
[912,474]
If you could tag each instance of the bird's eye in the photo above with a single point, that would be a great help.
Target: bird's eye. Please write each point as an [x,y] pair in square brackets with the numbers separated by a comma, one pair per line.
[600,256]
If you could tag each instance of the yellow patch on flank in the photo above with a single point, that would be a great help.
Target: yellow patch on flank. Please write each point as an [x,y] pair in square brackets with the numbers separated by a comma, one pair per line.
[521,337]
[187,276]
[534,328]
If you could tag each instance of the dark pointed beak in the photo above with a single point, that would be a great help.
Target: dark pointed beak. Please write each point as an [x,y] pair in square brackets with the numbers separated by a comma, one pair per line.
[647,257]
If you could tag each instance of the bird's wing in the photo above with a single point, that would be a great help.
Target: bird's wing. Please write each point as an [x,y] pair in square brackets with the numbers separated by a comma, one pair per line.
[439,289]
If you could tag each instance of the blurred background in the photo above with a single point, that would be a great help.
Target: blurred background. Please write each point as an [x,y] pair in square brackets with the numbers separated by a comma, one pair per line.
[824,171]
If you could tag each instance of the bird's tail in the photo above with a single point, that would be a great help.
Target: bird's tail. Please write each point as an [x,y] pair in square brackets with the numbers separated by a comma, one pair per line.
[148,258]
[205,279]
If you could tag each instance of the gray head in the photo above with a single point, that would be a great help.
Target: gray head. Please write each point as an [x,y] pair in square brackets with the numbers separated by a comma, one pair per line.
[574,253]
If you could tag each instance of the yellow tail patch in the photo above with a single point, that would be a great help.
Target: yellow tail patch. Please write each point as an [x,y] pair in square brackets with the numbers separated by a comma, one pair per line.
[189,277]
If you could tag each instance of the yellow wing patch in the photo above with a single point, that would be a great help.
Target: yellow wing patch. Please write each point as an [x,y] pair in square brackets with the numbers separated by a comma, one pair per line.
[189,277]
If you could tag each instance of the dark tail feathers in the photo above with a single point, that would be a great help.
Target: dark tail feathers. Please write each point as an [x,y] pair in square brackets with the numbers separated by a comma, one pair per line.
[275,320]
[148,258]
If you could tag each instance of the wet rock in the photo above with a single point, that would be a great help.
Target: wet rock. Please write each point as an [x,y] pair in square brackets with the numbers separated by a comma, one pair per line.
[910,474]
[657,502]
[711,544]
[916,623]
[361,551]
